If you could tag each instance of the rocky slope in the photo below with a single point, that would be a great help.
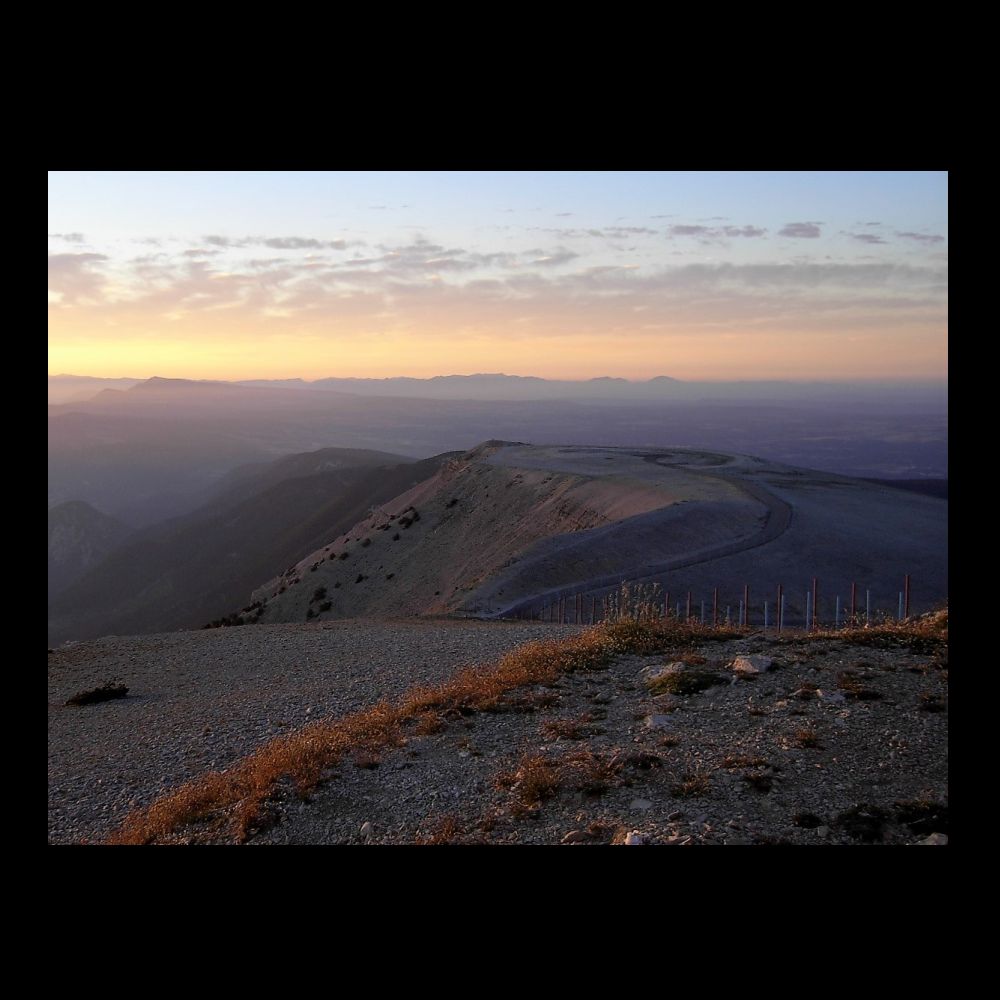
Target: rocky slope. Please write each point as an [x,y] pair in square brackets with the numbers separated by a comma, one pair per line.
[748,740]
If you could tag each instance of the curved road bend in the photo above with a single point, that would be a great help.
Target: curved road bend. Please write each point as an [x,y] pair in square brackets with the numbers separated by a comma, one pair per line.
[778,519]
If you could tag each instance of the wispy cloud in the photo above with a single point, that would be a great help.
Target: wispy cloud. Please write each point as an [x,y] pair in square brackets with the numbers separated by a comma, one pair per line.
[865,237]
[921,237]
[714,233]
[68,237]
[276,242]
[801,230]
[75,276]
[555,258]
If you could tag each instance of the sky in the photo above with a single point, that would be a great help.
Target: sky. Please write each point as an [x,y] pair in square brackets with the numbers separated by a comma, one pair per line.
[572,274]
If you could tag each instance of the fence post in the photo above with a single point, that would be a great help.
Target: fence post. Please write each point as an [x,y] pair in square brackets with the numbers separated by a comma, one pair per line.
[779,609]
[746,605]
[808,598]
[836,620]
[765,617]
[868,607]
[741,612]
[906,596]
[702,612]
[815,604]
[854,601]
[781,614]
[715,608]
[689,607]
[899,617]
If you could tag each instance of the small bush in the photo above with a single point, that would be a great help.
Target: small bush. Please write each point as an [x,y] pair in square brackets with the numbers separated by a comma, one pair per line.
[395,537]
[318,594]
[343,555]
[361,576]
[365,543]
[686,682]
[325,606]
[106,692]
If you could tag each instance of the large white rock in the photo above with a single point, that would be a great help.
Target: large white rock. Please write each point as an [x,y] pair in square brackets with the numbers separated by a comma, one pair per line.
[751,664]
[653,673]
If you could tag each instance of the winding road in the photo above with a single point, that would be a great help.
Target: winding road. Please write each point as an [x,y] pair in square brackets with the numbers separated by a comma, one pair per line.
[777,520]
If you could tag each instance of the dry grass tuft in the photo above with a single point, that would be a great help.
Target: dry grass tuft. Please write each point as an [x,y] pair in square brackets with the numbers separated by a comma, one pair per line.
[534,779]
[806,736]
[692,784]
[735,760]
[926,634]
[569,729]
[443,830]
[851,684]
[428,724]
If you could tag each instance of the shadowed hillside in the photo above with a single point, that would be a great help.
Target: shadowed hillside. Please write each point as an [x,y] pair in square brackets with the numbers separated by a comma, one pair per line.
[79,538]
[184,572]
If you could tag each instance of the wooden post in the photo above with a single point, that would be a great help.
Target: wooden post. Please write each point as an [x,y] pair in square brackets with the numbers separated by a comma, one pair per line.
[906,596]
[715,608]
[854,601]
[688,616]
[778,609]
[746,604]
[815,605]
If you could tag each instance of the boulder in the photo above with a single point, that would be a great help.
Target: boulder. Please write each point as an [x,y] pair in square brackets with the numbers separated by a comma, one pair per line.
[751,665]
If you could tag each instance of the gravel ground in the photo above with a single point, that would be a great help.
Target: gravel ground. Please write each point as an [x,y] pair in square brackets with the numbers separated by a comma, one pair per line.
[788,757]
[199,701]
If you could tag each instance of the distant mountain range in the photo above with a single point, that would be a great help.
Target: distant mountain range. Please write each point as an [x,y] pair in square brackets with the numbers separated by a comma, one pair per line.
[498,386]
[159,448]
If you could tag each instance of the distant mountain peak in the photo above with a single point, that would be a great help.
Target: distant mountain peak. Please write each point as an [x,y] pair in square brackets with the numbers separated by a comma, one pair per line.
[158,382]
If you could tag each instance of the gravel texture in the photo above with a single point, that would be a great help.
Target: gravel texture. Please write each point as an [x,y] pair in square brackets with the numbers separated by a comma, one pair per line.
[831,743]
[790,756]
[199,701]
